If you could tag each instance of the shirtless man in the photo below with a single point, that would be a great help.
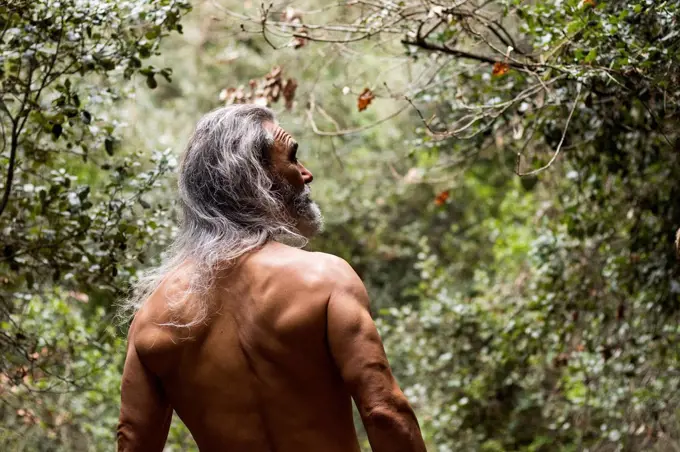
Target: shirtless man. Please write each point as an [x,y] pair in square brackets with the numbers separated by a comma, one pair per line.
[257,344]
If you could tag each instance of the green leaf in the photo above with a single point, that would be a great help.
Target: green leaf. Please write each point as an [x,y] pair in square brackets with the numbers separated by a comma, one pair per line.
[84,192]
[153,33]
[167,74]
[151,81]
[108,145]
[30,280]
[573,26]
[591,56]
[108,64]
[56,131]
[529,182]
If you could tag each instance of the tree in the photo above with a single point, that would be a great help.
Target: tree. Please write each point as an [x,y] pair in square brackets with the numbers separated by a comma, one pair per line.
[581,100]
[72,212]
[504,176]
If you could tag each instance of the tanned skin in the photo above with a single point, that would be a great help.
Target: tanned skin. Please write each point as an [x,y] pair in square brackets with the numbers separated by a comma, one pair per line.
[289,342]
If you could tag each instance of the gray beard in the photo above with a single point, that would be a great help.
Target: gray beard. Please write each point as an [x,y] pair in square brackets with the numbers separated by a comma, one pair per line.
[309,221]
[305,213]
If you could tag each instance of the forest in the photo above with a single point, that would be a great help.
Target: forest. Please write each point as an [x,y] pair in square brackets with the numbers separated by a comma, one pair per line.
[504,176]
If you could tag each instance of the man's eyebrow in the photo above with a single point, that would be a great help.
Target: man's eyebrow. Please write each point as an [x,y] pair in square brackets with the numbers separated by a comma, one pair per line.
[294,146]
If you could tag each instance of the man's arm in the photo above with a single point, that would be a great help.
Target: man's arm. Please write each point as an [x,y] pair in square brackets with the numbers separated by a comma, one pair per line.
[358,352]
[145,414]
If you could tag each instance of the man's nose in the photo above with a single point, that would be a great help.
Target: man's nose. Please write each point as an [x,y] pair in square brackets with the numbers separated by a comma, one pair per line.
[306,174]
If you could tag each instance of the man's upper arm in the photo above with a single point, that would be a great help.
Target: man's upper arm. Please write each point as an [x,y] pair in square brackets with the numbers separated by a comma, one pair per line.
[356,346]
[358,352]
[145,413]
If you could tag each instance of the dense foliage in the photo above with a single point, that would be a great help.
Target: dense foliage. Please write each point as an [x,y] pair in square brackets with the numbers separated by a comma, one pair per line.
[73,218]
[503,175]
[579,347]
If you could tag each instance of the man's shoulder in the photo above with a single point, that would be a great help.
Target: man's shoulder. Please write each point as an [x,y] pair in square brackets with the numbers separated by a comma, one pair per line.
[327,268]
[317,269]
[172,289]
[151,330]
[338,276]
[334,268]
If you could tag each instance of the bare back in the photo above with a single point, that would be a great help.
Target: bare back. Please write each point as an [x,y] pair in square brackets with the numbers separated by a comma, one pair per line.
[288,343]
[258,376]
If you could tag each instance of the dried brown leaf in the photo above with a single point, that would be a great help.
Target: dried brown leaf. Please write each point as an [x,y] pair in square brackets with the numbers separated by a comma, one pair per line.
[365,99]
[441,198]
[500,69]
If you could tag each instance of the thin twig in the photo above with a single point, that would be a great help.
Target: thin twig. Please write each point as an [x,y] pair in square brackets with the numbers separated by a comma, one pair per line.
[263,23]
[559,146]
[329,117]
[342,132]
[335,154]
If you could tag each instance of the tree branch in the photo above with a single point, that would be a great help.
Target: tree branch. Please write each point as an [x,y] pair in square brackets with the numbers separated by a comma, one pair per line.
[559,146]
[315,128]
[10,169]
[449,51]
[18,123]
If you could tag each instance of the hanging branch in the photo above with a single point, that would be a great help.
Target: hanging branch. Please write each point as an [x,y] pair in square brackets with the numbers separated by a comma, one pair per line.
[559,146]
[19,121]
[10,168]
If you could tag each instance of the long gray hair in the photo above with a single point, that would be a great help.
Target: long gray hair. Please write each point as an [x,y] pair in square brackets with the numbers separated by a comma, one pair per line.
[229,207]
